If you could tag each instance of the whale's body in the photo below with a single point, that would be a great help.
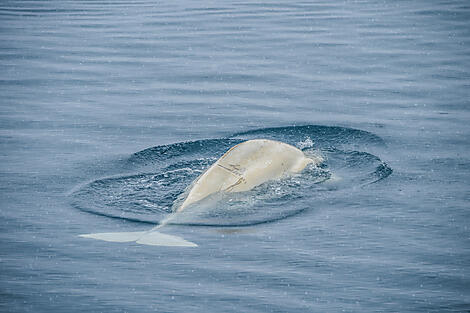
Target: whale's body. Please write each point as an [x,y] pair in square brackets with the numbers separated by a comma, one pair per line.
[246,166]
[241,168]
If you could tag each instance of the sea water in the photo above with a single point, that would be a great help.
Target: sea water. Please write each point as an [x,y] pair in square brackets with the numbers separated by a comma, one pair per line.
[110,109]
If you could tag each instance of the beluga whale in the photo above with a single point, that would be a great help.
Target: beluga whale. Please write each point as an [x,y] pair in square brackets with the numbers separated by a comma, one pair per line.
[243,167]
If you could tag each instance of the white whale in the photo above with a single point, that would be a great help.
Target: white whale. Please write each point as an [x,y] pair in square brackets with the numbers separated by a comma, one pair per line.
[241,168]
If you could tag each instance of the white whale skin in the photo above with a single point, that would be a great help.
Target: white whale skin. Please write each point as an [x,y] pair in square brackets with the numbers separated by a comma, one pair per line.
[241,168]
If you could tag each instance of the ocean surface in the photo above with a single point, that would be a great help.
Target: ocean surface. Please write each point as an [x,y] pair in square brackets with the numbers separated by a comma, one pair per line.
[110,109]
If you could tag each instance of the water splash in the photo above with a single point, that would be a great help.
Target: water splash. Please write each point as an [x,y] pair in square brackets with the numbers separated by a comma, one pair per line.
[307,143]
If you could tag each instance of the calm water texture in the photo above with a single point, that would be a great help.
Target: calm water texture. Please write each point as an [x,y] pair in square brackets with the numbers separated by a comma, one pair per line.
[110,108]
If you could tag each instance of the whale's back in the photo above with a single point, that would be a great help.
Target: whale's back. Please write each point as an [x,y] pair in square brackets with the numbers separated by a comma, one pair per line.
[246,166]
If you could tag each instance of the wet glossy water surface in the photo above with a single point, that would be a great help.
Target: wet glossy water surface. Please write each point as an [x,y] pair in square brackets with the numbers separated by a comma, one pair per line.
[110,109]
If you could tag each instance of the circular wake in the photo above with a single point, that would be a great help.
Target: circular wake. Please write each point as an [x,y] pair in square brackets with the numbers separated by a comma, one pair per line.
[163,173]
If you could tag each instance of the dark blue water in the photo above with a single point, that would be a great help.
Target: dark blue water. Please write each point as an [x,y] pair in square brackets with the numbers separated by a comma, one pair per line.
[109,109]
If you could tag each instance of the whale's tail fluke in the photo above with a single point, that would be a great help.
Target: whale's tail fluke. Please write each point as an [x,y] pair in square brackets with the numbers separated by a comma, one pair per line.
[152,238]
